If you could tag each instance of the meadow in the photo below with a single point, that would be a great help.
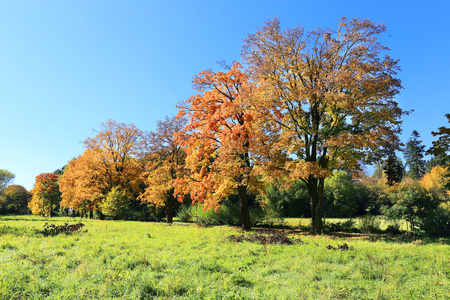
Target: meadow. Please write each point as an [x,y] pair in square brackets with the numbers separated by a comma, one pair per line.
[139,260]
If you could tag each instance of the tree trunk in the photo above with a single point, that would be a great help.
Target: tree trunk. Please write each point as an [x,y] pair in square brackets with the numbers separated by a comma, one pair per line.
[91,214]
[315,189]
[169,209]
[243,203]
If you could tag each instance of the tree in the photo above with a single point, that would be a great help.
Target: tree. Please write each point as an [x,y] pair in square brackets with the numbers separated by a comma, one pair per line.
[218,141]
[14,200]
[393,169]
[46,195]
[441,147]
[411,202]
[331,95]
[340,192]
[414,154]
[112,159]
[165,164]
[5,179]
[438,182]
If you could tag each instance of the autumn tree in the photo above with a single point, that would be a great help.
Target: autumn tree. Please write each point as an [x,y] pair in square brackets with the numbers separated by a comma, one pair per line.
[112,159]
[46,195]
[218,141]
[165,163]
[438,182]
[414,154]
[14,200]
[331,95]
[5,179]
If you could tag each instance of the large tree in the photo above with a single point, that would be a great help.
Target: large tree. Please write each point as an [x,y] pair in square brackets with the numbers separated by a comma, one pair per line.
[414,154]
[165,163]
[331,94]
[218,141]
[111,160]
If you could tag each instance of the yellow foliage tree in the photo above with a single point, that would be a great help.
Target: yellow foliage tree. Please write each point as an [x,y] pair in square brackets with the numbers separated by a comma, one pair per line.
[46,195]
[112,159]
[438,182]
[165,164]
[329,96]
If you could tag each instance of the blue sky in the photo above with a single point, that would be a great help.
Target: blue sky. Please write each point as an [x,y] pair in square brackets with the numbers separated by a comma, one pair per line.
[67,66]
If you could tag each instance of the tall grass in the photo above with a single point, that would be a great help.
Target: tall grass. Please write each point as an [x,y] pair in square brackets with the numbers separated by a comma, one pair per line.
[136,260]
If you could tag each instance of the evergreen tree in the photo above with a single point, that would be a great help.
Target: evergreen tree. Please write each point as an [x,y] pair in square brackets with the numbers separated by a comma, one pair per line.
[414,155]
[394,169]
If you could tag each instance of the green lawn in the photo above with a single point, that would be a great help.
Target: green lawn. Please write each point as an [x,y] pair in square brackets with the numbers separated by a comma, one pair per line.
[134,260]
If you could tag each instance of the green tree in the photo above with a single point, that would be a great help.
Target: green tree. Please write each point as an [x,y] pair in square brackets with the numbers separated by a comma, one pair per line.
[414,154]
[441,147]
[340,195]
[394,169]
[14,200]
[411,202]
[5,179]
[116,203]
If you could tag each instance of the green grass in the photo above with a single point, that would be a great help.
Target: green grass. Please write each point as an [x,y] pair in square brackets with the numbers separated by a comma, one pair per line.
[136,260]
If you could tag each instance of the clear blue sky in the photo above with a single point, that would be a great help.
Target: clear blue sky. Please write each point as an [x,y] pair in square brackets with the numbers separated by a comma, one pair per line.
[66,66]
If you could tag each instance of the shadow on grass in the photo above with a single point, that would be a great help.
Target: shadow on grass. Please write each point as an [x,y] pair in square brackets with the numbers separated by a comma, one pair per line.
[373,237]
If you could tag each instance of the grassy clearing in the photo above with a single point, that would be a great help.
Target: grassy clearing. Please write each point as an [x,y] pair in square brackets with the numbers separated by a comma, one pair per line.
[134,260]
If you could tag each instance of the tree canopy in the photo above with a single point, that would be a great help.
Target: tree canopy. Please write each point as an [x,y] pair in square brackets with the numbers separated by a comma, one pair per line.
[6,179]
[330,93]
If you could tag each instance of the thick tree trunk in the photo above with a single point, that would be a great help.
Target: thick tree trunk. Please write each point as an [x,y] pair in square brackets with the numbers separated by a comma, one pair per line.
[91,214]
[316,187]
[243,203]
[169,209]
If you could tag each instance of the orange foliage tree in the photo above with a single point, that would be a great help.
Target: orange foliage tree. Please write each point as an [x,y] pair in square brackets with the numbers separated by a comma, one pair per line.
[165,163]
[111,160]
[218,141]
[331,96]
[46,195]
[438,181]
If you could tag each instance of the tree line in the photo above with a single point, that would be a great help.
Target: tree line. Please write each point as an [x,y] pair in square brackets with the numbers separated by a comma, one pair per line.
[300,107]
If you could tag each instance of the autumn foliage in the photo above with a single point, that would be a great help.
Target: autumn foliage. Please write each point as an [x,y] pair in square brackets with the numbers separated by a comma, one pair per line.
[330,94]
[218,140]
[46,195]
[110,160]
[165,163]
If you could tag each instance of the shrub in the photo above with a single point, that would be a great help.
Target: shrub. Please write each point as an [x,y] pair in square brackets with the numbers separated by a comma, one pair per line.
[229,214]
[436,222]
[346,226]
[369,224]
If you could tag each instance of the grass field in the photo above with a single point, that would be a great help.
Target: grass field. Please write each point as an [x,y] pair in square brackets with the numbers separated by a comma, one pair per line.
[136,260]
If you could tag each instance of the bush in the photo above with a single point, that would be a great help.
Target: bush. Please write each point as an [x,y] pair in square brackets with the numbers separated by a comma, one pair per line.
[229,214]
[346,226]
[410,202]
[286,203]
[436,223]
[369,224]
